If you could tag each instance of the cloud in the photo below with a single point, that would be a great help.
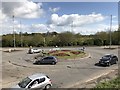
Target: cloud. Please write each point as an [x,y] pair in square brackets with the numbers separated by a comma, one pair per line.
[20,9]
[42,28]
[53,10]
[38,27]
[25,9]
[75,19]
[2,16]
[84,24]
[94,29]
[8,25]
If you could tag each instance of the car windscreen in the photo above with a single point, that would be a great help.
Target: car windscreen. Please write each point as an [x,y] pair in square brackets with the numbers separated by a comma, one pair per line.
[107,56]
[48,58]
[35,49]
[24,82]
[47,76]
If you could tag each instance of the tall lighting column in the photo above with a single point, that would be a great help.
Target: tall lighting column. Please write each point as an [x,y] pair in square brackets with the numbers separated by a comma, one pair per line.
[110,30]
[21,40]
[13,34]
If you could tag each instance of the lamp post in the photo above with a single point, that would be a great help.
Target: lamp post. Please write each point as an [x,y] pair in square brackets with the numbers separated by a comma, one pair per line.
[110,30]
[44,41]
[72,26]
[21,40]
[13,34]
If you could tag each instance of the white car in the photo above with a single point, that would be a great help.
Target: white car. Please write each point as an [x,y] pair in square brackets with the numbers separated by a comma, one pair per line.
[34,50]
[39,80]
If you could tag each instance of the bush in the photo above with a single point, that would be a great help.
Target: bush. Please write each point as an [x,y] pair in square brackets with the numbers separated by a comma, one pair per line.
[75,52]
[55,51]
[98,42]
[66,50]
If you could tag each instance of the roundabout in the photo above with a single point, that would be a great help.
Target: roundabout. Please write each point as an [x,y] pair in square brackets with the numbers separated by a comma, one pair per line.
[65,73]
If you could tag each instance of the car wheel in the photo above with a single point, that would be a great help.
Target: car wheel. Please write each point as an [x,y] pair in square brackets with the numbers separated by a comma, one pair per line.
[39,63]
[116,62]
[108,64]
[47,87]
[53,63]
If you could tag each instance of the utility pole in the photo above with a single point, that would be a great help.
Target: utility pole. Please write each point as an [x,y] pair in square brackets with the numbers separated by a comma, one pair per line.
[13,34]
[110,30]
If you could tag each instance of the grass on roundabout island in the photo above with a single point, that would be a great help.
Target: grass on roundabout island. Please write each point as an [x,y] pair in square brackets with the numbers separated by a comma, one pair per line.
[64,54]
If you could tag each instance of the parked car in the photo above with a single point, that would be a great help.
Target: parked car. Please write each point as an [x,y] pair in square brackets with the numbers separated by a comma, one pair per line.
[34,50]
[38,80]
[108,60]
[47,60]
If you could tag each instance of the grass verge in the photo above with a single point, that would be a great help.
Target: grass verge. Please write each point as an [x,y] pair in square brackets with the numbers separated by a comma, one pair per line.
[111,85]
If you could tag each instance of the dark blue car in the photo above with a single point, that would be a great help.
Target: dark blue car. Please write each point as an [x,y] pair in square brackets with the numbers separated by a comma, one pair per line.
[108,60]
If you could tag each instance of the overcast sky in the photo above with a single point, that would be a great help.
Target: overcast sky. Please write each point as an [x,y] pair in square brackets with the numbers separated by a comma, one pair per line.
[38,17]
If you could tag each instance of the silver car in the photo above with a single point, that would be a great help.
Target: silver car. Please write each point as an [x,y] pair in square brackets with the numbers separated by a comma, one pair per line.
[38,80]
[47,60]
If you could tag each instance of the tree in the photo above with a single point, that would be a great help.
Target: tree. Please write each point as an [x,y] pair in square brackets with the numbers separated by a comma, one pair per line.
[7,40]
[98,42]
[104,36]
[60,39]
[66,39]
[88,42]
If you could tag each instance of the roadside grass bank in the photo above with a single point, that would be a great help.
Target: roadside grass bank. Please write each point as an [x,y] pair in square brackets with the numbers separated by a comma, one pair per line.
[110,81]
[107,81]
[112,84]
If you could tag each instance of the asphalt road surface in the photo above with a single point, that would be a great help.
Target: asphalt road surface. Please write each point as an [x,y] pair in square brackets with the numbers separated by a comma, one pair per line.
[65,74]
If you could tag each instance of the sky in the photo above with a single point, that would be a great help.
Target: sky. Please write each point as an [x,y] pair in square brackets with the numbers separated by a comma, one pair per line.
[40,17]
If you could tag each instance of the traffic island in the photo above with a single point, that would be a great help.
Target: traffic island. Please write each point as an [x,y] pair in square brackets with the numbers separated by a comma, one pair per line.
[65,54]
[12,50]
[110,47]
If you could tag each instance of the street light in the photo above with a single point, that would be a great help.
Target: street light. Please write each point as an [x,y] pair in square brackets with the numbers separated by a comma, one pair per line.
[72,26]
[21,40]
[13,34]
[44,41]
[110,30]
